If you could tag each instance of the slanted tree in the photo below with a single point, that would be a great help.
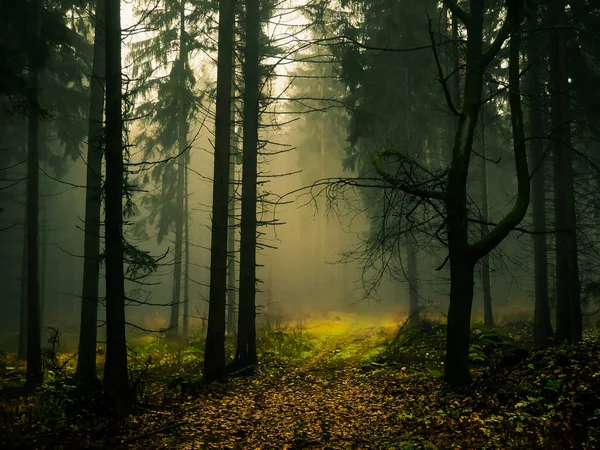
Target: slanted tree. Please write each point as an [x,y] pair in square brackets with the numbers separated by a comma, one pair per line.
[86,361]
[116,378]
[214,354]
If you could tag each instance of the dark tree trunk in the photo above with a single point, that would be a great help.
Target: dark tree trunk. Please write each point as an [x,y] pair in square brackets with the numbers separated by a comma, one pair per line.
[214,354]
[462,255]
[34,350]
[181,169]
[488,316]
[413,281]
[86,362]
[568,306]
[186,279]
[231,231]
[22,351]
[116,379]
[43,260]
[231,287]
[245,356]
[542,327]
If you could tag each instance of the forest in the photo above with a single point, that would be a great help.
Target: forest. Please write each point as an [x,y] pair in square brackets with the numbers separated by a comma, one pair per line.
[290,224]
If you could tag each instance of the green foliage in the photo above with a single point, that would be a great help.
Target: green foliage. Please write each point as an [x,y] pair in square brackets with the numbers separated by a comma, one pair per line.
[56,398]
[279,345]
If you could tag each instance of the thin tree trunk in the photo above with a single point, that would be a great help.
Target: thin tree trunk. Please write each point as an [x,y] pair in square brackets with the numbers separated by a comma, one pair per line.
[568,306]
[413,281]
[34,351]
[542,327]
[488,316]
[186,280]
[411,243]
[86,362]
[22,352]
[116,380]
[43,260]
[231,288]
[182,140]
[214,354]
[245,356]
[231,230]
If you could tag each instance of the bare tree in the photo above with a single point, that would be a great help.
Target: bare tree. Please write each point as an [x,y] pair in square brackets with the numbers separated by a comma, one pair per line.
[116,379]
[214,354]
[86,361]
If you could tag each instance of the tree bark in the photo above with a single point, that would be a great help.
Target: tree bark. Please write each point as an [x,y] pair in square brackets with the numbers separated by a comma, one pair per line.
[116,380]
[182,141]
[488,316]
[245,357]
[86,361]
[186,280]
[22,351]
[542,327]
[214,354]
[231,288]
[568,306]
[34,350]
[413,281]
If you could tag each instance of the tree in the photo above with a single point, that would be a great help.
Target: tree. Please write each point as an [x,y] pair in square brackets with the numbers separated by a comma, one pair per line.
[166,139]
[214,354]
[245,356]
[116,379]
[86,361]
[34,351]
[488,316]
[542,328]
[568,303]
[462,255]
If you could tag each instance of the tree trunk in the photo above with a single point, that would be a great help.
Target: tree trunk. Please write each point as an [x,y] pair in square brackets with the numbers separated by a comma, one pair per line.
[181,169]
[542,327]
[456,365]
[245,356]
[568,306]
[22,351]
[413,281]
[43,260]
[86,361]
[231,231]
[186,280]
[488,316]
[231,289]
[116,380]
[462,255]
[34,350]
[214,354]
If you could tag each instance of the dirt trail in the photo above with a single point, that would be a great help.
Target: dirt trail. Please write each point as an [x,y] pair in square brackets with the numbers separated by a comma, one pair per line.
[325,401]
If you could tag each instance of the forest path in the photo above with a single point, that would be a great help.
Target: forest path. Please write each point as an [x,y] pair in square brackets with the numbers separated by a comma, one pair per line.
[325,400]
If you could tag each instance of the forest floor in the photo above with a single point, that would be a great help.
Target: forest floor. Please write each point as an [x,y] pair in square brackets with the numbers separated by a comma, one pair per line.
[345,383]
